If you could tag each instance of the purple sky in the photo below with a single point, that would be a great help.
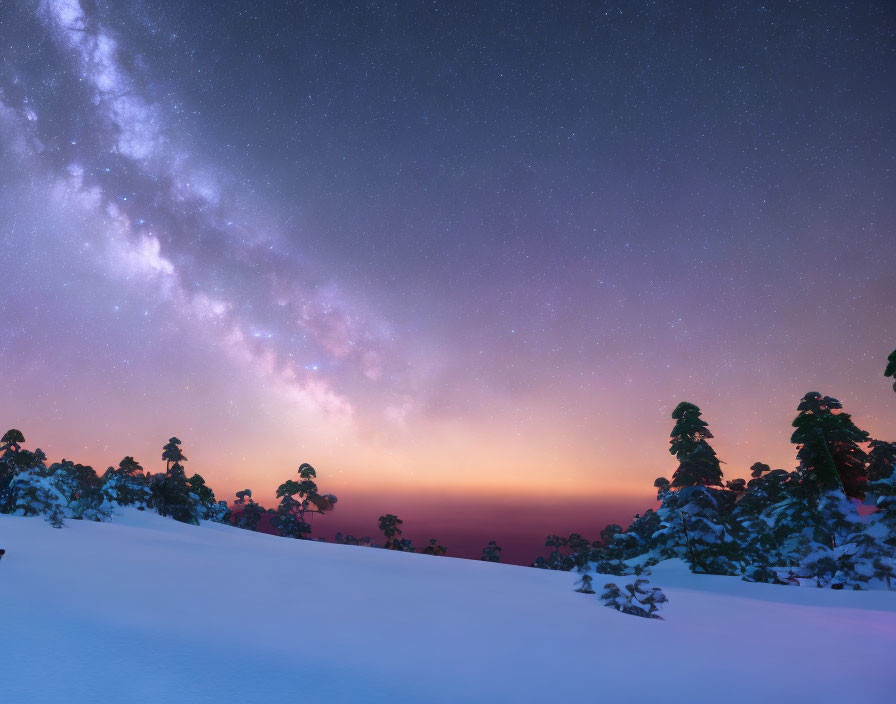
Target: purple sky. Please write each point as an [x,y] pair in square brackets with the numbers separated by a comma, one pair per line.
[476,251]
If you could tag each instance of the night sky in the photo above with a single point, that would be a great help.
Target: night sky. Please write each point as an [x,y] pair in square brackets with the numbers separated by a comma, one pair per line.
[463,258]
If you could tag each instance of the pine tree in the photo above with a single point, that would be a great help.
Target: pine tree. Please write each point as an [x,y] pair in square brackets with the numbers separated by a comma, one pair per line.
[491,552]
[793,522]
[204,498]
[172,453]
[828,447]
[881,460]
[434,548]
[758,540]
[127,485]
[14,461]
[556,559]
[298,498]
[11,440]
[761,570]
[635,540]
[698,464]
[171,491]
[82,491]
[699,468]
[845,553]
[883,521]
[689,431]
[891,368]
[248,513]
[693,520]
[389,525]
[30,494]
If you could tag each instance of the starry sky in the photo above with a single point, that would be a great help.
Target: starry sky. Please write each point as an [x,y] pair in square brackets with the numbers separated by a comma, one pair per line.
[464,258]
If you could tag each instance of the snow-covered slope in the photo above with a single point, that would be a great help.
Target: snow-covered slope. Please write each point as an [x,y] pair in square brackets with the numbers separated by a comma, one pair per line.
[145,609]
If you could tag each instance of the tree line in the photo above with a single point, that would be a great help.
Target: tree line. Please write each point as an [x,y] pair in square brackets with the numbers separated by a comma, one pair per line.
[69,490]
[778,526]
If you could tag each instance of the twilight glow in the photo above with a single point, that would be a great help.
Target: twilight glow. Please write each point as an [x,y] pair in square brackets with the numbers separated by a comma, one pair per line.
[465,262]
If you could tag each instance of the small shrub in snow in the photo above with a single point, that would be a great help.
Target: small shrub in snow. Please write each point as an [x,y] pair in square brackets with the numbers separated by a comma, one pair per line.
[55,517]
[434,548]
[762,571]
[352,540]
[638,599]
[585,585]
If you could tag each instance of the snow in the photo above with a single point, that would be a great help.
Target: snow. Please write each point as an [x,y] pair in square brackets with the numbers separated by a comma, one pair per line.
[145,609]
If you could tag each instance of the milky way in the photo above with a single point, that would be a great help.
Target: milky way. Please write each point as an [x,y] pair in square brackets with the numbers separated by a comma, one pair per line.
[438,248]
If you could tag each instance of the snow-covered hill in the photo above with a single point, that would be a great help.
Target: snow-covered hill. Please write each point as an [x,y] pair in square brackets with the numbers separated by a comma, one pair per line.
[146,609]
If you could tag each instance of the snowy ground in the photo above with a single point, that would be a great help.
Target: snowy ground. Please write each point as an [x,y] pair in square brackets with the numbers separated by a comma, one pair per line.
[149,610]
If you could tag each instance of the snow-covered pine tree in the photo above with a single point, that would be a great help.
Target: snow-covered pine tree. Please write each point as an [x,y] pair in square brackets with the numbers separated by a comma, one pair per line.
[847,555]
[81,490]
[693,526]
[694,517]
[613,597]
[171,492]
[30,494]
[639,599]
[793,521]
[754,517]
[882,523]
[574,552]
[219,513]
[637,538]
[14,461]
[171,496]
[204,499]
[127,485]
[760,569]
[649,599]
